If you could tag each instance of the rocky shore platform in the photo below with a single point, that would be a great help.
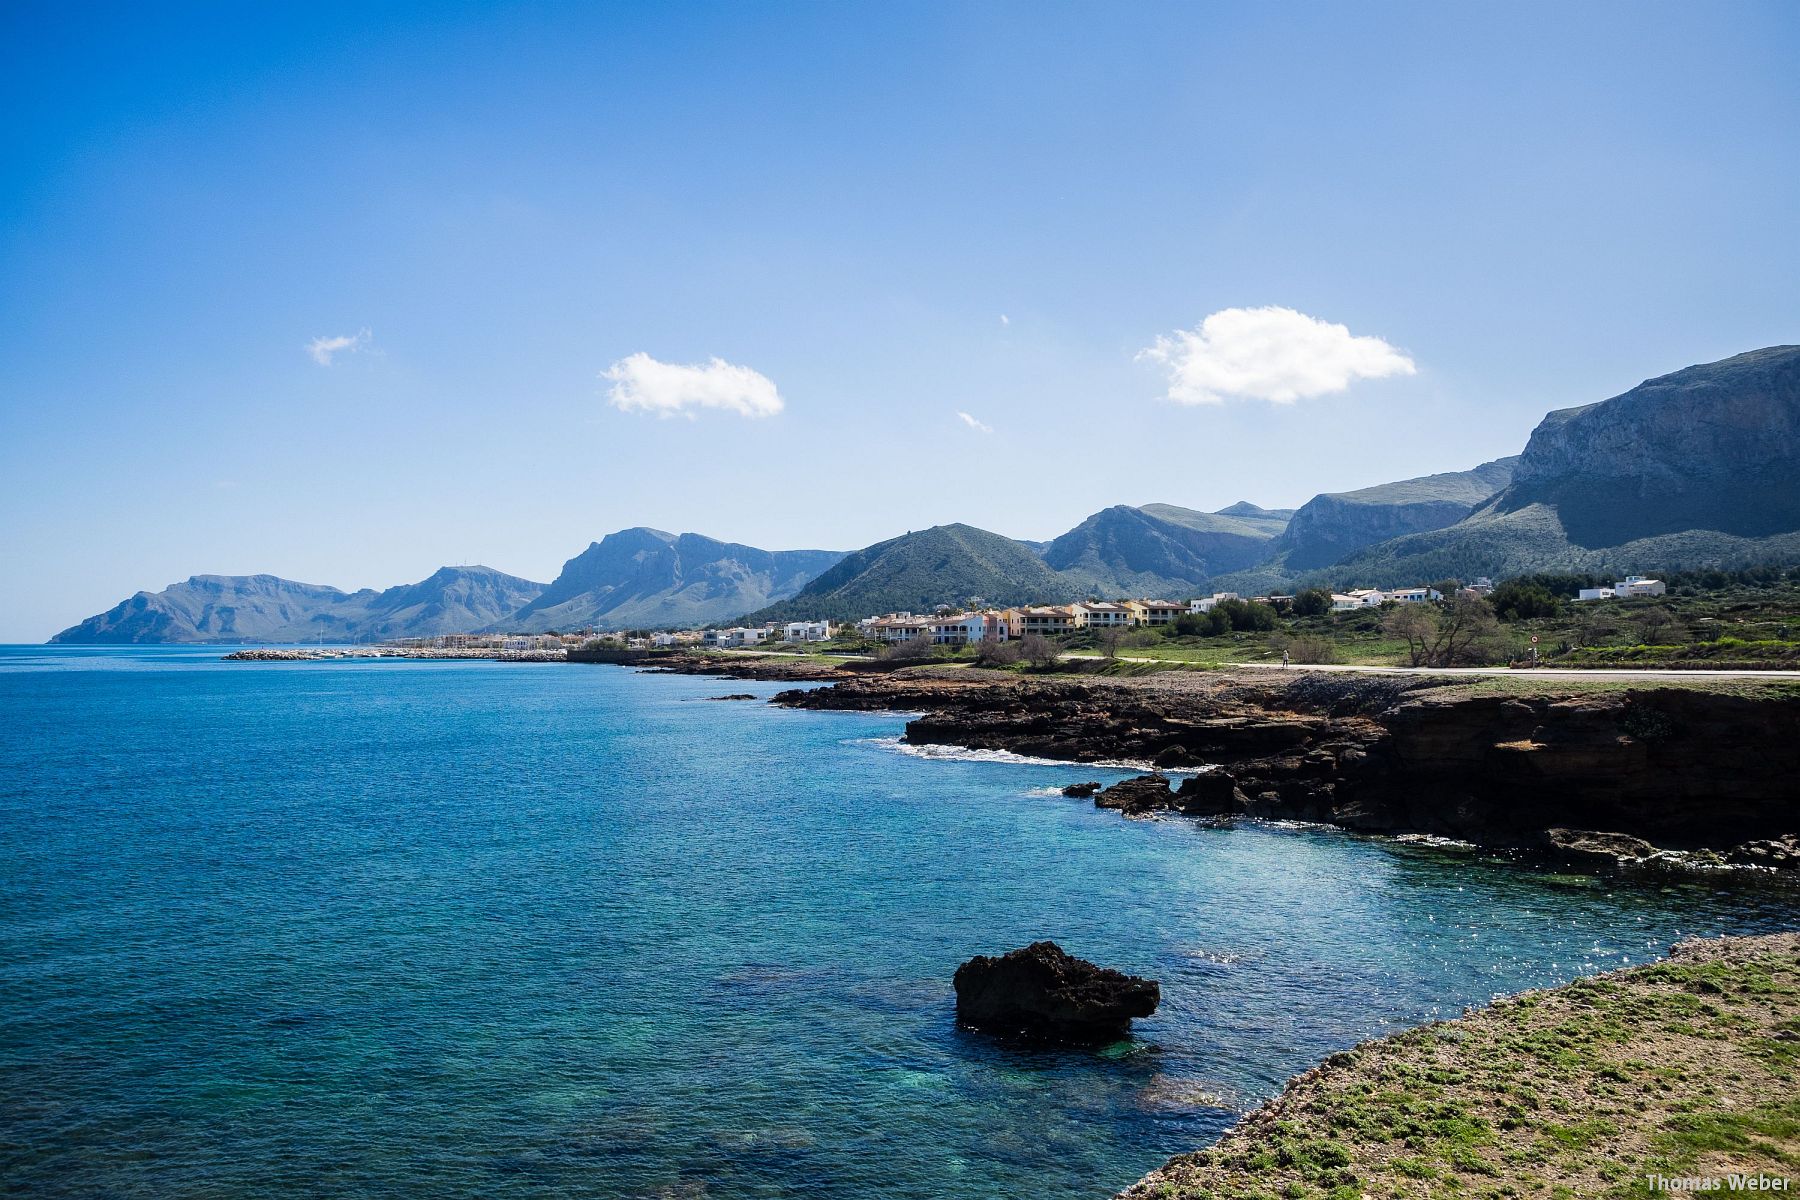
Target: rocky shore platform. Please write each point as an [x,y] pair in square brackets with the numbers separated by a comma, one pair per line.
[1682,1070]
[1711,773]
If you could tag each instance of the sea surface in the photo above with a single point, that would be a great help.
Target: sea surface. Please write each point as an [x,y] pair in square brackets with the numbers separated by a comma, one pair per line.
[399,929]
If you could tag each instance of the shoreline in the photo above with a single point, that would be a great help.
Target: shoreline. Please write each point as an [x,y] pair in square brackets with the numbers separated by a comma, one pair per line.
[1658,774]
[1677,1070]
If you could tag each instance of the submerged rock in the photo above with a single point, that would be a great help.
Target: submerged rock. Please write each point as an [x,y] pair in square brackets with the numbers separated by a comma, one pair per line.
[1081,791]
[1043,993]
[734,696]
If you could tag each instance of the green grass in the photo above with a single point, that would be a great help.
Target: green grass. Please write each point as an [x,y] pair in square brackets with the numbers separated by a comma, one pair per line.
[1680,1068]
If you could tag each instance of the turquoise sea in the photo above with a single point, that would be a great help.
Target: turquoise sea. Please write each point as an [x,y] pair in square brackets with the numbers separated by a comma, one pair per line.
[397,929]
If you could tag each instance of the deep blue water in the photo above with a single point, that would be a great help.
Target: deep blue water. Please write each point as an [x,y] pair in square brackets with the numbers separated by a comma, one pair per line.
[510,930]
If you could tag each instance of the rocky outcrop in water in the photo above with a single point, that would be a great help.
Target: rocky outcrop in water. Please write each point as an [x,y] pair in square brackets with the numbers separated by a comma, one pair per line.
[1042,993]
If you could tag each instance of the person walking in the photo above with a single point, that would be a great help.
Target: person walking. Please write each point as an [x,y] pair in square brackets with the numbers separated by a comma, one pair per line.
[1284,660]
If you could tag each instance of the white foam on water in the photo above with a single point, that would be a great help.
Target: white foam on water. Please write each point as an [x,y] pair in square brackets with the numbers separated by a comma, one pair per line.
[938,753]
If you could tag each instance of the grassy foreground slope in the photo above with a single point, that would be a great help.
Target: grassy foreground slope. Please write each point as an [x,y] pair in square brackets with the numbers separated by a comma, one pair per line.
[1682,1068]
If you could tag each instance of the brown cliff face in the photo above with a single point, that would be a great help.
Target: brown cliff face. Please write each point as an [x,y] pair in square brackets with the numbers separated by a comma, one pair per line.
[1680,767]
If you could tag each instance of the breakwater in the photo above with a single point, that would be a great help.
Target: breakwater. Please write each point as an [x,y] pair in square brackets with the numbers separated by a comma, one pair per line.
[328,653]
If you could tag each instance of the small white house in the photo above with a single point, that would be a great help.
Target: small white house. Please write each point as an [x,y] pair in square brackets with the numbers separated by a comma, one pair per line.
[1357,598]
[1207,603]
[1413,595]
[806,631]
[1631,585]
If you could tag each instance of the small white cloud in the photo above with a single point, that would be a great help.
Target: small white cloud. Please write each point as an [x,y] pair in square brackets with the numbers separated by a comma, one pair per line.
[323,349]
[1273,354]
[974,424]
[1005,320]
[642,384]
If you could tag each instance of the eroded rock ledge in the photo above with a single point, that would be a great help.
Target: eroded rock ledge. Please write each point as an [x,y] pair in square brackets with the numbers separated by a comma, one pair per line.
[1675,766]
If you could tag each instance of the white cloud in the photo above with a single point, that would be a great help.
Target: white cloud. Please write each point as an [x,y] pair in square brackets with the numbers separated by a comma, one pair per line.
[972,423]
[1005,320]
[642,384]
[1273,354]
[323,348]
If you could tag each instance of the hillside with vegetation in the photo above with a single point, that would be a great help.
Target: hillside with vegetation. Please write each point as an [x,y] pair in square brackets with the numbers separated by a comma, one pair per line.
[946,564]
[1161,548]
[1689,470]
[1335,524]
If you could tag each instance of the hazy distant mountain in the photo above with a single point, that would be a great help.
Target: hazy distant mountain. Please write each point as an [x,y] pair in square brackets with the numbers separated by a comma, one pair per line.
[1160,548]
[451,600]
[947,564]
[1333,525]
[1240,517]
[640,578]
[1695,468]
[265,608]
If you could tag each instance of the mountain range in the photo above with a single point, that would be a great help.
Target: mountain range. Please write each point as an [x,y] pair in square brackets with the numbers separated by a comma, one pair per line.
[1694,468]
[264,608]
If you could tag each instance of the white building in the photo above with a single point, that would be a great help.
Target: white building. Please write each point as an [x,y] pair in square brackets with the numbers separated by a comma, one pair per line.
[958,629]
[900,628]
[1104,614]
[1357,598]
[1631,585]
[806,631]
[1208,603]
[1375,597]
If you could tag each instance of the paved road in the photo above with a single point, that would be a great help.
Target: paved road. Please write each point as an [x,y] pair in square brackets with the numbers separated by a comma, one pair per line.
[1531,672]
[1515,672]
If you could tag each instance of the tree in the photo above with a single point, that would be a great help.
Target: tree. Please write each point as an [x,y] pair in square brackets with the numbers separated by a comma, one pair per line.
[919,647]
[1469,632]
[995,653]
[1313,602]
[1524,600]
[1037,650]
[1417,625]
[1109,640]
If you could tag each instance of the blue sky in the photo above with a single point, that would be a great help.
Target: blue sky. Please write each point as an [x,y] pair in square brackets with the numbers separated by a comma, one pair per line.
[888,214]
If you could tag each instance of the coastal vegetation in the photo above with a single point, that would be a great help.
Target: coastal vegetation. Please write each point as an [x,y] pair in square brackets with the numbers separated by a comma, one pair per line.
[1688,1068]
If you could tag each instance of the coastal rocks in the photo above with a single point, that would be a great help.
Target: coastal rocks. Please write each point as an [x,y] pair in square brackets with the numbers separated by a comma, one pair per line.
[733,696]
[1680,768]
[1043,993]
[1595,846]
[1137,796]
[1782,853]
[1081,791]
[1208,794]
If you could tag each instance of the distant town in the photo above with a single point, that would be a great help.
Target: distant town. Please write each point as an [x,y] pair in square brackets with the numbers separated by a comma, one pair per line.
[948,625]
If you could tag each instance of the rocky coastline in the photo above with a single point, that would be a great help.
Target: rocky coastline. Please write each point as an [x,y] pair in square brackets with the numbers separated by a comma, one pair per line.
[1683,1069]
[1620,773]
